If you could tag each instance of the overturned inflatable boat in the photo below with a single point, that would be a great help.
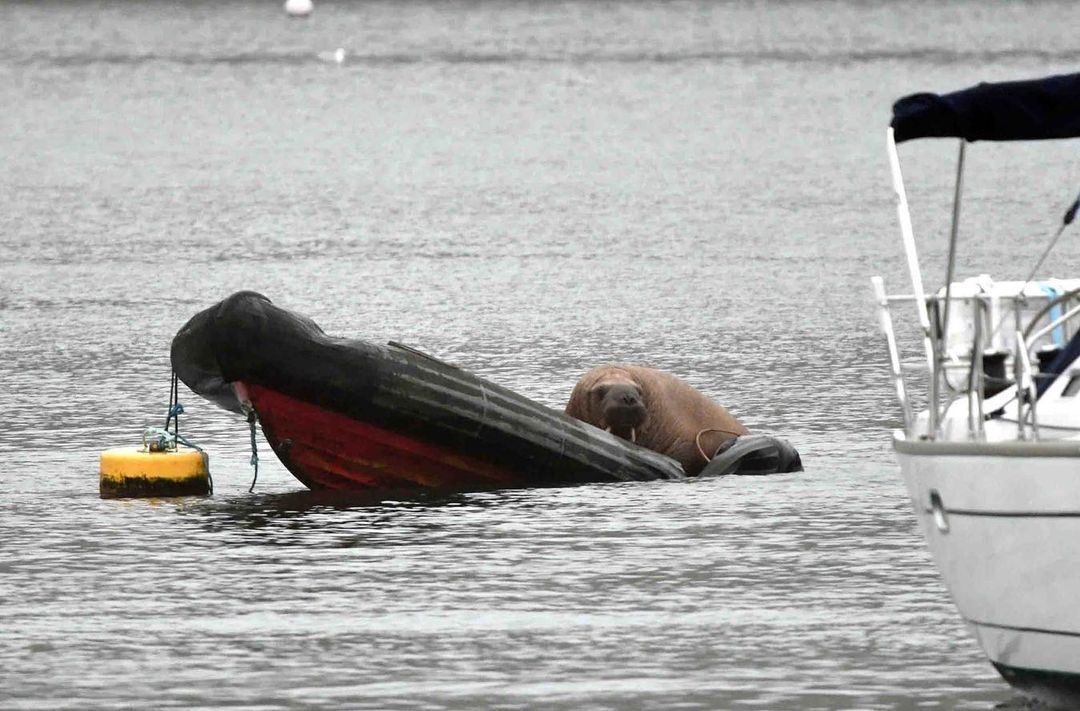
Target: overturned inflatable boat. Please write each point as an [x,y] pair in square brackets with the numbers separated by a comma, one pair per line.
[351,415]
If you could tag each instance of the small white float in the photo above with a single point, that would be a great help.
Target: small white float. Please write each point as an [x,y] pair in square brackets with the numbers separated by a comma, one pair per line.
[299,8]
[335,57]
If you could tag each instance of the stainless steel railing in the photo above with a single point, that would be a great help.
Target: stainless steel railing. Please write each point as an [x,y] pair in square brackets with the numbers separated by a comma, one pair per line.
[974,379]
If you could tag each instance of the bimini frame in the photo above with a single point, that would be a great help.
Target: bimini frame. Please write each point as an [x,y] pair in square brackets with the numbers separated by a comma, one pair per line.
[934,331]
[932,343]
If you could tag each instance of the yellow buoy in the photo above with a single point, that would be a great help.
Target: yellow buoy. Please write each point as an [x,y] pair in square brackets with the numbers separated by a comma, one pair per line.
[135,472]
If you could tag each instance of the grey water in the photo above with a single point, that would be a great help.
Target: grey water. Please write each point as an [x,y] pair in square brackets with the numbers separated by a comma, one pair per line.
[526,190]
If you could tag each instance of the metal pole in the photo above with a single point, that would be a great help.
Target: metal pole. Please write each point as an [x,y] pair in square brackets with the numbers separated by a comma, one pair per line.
[1025,388]
[975,390]
[908,235]
[950,270]
[982,313]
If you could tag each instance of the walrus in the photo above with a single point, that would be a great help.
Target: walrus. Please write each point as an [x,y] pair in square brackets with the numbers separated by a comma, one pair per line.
[655,410]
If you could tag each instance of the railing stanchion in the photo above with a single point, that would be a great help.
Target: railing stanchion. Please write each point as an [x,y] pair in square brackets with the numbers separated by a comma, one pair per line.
[885,319]
[1025,389]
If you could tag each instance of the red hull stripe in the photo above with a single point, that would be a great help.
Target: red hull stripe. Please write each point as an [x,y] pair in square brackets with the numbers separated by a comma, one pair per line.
[328,450]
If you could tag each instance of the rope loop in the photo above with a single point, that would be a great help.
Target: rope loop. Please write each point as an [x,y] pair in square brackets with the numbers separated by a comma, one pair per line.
[158,439]
[697,440]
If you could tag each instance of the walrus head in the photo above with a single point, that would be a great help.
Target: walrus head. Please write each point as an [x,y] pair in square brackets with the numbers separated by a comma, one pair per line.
[620,406]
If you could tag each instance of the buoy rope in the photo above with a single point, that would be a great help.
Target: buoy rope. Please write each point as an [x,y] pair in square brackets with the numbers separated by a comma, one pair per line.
[167,439]
[175,408]
[164,437]
[254,451]
[697,440]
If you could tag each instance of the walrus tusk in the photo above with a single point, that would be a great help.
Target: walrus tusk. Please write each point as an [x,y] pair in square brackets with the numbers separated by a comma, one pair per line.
[608,429]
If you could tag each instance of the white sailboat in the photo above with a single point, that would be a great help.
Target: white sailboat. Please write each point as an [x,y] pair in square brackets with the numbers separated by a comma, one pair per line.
[992,465]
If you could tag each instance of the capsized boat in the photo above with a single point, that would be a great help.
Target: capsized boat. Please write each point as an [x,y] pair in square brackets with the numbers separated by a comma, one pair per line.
[351,415]
[992,465]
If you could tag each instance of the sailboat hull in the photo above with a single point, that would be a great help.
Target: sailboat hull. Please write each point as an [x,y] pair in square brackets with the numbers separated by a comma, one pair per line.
[1002,521]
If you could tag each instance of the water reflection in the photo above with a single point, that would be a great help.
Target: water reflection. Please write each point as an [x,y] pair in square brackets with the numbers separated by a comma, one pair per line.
[304,509]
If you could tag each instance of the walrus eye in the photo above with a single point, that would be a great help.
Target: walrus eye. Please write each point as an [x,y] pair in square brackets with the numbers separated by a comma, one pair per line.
[600,392]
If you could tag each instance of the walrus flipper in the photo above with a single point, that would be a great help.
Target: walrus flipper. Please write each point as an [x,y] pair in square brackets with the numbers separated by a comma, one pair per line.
[752,455]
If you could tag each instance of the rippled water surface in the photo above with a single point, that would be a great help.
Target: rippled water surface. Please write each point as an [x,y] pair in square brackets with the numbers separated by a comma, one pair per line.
[526,190]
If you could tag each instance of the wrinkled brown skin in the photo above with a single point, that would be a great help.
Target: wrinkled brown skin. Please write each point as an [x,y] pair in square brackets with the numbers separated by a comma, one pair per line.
[674,412]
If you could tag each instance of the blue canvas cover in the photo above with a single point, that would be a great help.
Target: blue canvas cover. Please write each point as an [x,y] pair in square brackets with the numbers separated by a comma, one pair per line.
[1006,111]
